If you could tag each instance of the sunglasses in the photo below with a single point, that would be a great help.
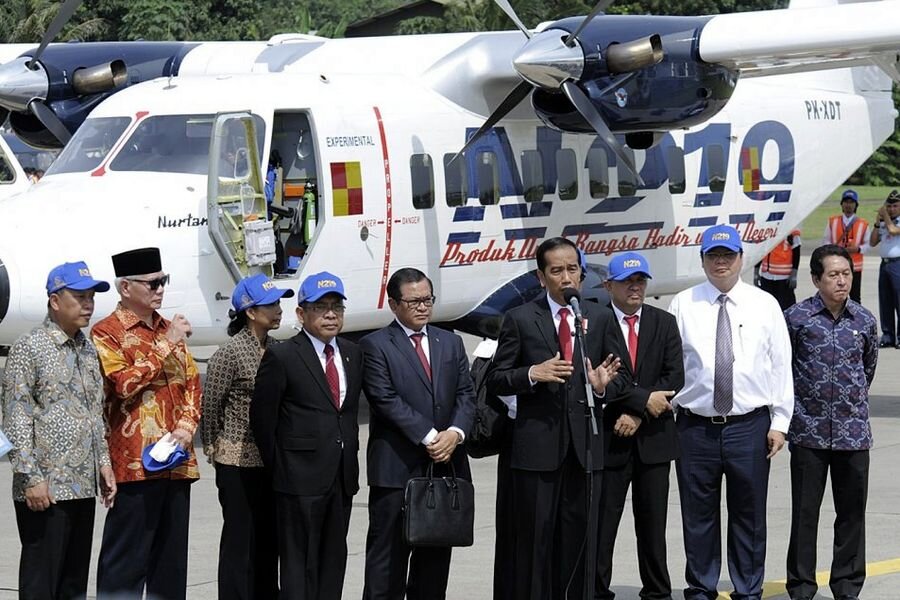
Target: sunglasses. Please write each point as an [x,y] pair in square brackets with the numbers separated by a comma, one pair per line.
[153,284]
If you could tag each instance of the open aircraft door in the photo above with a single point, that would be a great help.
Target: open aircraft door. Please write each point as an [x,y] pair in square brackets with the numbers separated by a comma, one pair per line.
[235,200]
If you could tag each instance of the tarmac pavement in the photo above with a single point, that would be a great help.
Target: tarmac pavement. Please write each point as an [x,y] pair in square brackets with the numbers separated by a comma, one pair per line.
[471,571]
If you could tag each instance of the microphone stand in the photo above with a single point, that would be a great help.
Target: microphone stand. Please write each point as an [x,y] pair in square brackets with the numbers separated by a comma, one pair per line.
[590,426]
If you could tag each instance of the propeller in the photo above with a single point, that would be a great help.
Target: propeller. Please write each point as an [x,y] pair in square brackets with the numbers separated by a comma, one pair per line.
[589,112]
[59,21]
[519,93]
[49,120]
[554,64]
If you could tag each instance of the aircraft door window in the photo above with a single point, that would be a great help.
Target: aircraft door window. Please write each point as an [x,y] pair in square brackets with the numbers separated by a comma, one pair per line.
[488,178]
[455,178]
[422,177]
[567,171]
[598,173]
[627,180]
[715,165]
[675,168]
[90,145]
[533,175]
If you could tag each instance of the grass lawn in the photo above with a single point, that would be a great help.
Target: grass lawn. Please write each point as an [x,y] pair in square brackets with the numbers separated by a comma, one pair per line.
[870,198]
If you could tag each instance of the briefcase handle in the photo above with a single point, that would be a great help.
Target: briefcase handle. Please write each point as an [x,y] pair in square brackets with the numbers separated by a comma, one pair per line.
[450,482]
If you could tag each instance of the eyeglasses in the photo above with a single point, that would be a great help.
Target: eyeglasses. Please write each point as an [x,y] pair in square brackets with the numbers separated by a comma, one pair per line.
[428,302]
[723,256]
[153,284]
[316,307]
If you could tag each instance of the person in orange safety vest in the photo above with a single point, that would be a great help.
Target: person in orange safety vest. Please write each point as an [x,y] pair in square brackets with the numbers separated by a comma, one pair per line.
[777,272]
[849,231]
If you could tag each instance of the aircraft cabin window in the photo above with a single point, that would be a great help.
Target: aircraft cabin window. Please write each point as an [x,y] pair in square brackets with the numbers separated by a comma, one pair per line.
[177,144]
[455,178]
[627,180]
[488,178]
[7,175]
[422,177]
[90,145]
[533,175]
[715,166]
[567,172]
[598,173]
[675,167]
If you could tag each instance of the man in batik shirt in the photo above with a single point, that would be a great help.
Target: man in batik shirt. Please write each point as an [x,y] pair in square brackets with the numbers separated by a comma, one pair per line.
[835,349]
[53,415]
[153,389]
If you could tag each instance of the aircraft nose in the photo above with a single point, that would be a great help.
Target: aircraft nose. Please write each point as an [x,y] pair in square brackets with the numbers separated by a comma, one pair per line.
[4,291]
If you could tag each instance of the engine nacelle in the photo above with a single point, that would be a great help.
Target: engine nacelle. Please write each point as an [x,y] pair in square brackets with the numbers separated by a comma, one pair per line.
[677,92]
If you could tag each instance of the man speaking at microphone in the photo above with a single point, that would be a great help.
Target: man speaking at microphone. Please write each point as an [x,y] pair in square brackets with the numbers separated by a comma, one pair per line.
[538,360]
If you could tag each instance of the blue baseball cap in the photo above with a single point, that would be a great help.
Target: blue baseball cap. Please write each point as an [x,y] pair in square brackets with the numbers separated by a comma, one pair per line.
[850,195]
[317,285]
[178,456]
[724,236]
[623,266]
[255,290]
[75,276]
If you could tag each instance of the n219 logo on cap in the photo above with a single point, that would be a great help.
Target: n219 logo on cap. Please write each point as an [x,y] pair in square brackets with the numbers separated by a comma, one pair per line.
[326,283]
[84,272]
[268,285]
[631,262]
[716,237]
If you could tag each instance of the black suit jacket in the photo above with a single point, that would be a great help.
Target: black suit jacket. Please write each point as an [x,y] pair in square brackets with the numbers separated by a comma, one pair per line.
[660,366]
[304,440]
[550,415]
[405,405]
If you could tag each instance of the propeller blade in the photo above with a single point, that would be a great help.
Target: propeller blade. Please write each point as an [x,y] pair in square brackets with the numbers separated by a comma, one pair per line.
[598,8]
[506,7]
[512,100]
[589,112]
[49,120]
[59,21]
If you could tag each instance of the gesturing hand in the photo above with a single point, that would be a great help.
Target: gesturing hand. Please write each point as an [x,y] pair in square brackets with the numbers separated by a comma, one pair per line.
[658,402]
[600,377]
[552,370]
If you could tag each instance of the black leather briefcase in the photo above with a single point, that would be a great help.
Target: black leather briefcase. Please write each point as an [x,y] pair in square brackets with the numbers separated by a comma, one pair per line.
[439,511]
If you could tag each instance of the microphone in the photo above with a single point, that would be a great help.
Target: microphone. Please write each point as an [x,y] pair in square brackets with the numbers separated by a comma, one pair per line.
[571,296]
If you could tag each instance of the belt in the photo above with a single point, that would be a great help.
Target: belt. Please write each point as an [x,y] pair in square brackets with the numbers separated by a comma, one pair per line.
[890,260]
[722,419]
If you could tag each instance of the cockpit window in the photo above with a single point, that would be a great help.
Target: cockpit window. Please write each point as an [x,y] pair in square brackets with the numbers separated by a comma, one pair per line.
[90,145]
[173,144]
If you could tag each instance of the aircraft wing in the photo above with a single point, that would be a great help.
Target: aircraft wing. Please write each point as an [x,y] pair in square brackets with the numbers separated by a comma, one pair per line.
[805,38]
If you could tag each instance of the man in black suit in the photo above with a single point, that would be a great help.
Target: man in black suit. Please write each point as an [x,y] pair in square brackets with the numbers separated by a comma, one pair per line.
[304,419]
[421,399]
[556,532]
[640,446]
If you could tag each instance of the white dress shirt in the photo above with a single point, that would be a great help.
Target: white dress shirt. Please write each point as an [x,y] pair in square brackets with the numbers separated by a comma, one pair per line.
[319,347]
[486,349]
[426,347]
[762,351]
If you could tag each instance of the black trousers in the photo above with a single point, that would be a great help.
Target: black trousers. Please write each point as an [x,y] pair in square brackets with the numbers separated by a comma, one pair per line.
[649,503]
[856,286]
[393,568]
[736,452]
[145,541]
[248,549]
[56,549]
[312,543]
[850,488]
[555,532]
[781,289]
[505,525]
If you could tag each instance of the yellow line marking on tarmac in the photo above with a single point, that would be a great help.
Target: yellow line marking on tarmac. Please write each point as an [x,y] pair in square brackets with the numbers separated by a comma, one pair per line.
[774,589]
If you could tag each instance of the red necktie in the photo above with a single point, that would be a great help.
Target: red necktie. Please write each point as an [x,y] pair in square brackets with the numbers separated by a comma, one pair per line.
[417,340]
[331,375]
[632,340]
[565,334]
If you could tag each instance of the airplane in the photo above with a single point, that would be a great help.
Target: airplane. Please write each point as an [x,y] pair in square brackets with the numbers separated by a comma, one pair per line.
[420,151]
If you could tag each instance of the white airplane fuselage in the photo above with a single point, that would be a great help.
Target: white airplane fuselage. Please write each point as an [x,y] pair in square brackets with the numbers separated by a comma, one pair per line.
[783,144]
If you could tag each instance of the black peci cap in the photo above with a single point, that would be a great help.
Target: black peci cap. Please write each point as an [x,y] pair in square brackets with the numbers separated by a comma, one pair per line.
[137,262]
